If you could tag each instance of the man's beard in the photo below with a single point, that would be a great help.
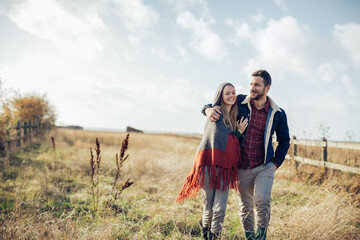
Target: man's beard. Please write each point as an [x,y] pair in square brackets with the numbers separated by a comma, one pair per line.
[258,96]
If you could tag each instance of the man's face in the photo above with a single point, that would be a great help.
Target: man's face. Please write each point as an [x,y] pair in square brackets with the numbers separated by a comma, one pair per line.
[257,88]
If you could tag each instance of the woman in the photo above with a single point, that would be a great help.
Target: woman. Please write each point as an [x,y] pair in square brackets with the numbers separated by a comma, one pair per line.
[215,166]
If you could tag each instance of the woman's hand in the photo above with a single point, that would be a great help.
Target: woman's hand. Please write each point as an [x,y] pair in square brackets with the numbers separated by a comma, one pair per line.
[242,124]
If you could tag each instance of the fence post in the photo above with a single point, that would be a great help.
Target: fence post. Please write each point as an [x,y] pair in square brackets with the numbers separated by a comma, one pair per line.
[18,129]
[29,125]
[25,133]
[8,141]
[295,146]
[2,145]
[37,126]
[325,150]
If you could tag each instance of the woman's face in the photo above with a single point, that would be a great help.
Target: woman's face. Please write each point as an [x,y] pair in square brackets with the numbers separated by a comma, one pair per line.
[229,95]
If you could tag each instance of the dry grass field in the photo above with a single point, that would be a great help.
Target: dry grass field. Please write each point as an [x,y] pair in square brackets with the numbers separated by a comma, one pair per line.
[46,194]
[348,157]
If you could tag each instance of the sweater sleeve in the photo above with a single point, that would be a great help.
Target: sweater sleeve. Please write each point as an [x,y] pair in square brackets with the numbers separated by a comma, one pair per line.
[237,134]
[203,109]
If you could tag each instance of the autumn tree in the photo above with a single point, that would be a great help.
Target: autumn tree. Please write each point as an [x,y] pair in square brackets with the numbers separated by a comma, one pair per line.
[24,107]
[27,107]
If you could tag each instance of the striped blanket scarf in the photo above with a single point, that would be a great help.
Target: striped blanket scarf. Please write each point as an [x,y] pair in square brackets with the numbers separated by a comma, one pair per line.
[220,151]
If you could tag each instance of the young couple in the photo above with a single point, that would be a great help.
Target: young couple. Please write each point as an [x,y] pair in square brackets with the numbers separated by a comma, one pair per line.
[236,152]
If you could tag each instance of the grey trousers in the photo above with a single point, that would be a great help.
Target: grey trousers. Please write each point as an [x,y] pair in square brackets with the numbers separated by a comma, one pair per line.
[255,189]
[214,204]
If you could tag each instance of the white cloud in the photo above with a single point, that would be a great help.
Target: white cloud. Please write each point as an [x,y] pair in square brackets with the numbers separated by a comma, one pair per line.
[136,16]
[242,31]
[131,50]
[204,41]
[241,88]
[289,50]
[164,107]
[258,17]
[34,72]
[176,93]
[72,35]
[280,4]
[161,54]
[284,43]
[134,41]
[349,37]
[66,88]
[180,93]
[327,72]
[183,53]
[283,46]
[4,7]
[198,6]
[350,86]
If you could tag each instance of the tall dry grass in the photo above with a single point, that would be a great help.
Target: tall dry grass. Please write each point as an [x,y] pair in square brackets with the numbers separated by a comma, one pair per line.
[345,156]
[44,202]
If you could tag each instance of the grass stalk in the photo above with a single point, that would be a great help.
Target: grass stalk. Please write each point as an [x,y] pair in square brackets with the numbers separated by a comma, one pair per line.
[120,159]
[95,166]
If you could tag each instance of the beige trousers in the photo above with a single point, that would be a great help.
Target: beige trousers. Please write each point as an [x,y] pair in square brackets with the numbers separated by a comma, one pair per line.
[255,189]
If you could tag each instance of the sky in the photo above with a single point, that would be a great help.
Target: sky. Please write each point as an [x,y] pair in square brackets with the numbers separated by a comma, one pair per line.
[153,65]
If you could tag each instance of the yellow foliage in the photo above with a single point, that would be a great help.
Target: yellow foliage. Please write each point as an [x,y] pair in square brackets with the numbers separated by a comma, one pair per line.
[32,105]
[15,106]
[26,108]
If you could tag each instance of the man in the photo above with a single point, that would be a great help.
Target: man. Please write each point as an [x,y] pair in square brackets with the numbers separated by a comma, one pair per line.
[258,161]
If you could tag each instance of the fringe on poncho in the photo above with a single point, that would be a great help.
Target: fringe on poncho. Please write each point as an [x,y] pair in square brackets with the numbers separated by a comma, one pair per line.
[220,150]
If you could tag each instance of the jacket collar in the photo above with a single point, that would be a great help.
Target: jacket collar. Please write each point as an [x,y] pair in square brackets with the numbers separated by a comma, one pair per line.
[272,103]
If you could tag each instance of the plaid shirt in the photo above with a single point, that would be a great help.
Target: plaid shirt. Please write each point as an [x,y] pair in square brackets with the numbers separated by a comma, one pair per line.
[252,151]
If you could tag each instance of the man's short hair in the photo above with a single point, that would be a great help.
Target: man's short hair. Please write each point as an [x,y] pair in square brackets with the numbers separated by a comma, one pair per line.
[265,76]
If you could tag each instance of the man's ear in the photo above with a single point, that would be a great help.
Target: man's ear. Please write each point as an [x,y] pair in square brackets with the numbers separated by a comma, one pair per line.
[267,88]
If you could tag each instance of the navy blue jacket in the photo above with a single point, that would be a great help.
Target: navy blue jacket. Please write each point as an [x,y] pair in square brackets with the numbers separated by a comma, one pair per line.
[276,122]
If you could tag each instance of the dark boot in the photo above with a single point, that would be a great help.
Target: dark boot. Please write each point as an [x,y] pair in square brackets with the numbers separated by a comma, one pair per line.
[204,231]
[260,233]
[213,236]
[250,235]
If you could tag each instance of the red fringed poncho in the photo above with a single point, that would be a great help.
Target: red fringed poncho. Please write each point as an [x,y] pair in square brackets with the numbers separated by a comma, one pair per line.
[219,149]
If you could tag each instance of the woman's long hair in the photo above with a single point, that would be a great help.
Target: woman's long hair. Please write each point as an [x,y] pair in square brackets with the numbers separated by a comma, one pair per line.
[229,118]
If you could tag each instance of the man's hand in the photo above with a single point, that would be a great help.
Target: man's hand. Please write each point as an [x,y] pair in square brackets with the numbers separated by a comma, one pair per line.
[213,114]
[276,167]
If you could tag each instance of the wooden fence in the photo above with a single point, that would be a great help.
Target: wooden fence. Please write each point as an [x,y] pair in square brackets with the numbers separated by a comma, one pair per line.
[20,136]
[324,144]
